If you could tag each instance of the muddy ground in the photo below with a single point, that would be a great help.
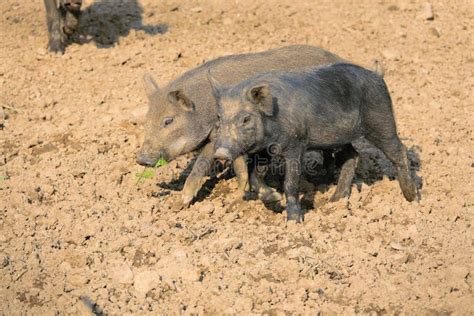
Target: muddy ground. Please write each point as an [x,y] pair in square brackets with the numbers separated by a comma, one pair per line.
[80,235]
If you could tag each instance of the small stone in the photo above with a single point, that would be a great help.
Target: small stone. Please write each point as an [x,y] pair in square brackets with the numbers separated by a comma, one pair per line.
[145,281]
[390,54]
[301,252]
[426,12]
[207,207]
[396,246]
[40,53]
[393,7]
[243,304]
[122,273]
[196,9]
[435,31]
[76,280]
[140,112]
[399,258]
[65,266]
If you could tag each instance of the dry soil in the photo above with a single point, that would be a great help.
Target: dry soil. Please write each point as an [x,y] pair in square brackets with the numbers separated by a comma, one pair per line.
[79,235]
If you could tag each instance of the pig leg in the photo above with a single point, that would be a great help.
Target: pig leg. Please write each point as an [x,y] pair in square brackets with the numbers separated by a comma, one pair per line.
[396,152]
[56,36]
[202,168]
[72,10]
[258,185]
[382,132]
[241,171]
[351,158]
[292,178]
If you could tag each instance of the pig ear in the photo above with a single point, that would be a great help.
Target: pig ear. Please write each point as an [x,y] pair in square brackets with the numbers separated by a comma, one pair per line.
[150,85]
[261,96]
[215,85]
[180,99]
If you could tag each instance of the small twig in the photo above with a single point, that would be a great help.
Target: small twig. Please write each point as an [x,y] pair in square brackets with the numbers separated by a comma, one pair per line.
[195,237]
[368,194]
[219,175]
[20,275]
[207,232]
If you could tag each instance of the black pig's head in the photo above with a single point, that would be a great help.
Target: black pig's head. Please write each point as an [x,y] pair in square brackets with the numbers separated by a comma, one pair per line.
[242,113]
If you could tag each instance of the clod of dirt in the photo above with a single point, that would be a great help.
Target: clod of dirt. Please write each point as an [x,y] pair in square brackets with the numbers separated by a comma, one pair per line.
[435,31]
[122,273]
[426,12]
[3,117]
[390,54]
[145,280]
[301,252]
[196,9]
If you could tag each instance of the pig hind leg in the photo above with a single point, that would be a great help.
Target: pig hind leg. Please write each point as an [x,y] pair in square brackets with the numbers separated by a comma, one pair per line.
[350,157]
[382,132]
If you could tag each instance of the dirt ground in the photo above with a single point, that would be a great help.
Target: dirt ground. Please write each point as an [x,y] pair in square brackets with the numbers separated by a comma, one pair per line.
[79,235]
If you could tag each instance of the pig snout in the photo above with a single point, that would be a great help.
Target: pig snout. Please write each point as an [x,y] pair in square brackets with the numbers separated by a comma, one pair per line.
[144,160]
[222,155]
[147,157]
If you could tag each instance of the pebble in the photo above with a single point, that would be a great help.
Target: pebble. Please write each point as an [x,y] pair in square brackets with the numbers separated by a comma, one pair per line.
[396,246]
[145,281]
[435,31]
[122,273]
[426,12]
[302,252]
[390,54]
[196,9]
[140,112]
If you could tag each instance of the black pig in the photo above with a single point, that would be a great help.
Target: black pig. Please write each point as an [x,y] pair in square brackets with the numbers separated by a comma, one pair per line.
[317,108]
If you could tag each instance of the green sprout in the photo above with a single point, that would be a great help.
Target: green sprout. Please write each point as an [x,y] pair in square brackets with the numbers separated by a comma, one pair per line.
[148,173]
[160,163]
[3,178]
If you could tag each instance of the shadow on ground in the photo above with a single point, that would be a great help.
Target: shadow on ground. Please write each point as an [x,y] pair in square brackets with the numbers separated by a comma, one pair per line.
[372,167]
[105,21]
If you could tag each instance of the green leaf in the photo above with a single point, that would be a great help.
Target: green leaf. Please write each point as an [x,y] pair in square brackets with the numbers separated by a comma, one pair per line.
[3,178]
[160,163]
[150,173]
[146,174]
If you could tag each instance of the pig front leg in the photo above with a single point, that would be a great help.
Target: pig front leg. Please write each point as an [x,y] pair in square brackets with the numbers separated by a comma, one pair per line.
[242,173]
[56,36]
[257,184]
[293,160]
[195,180]
[202,168]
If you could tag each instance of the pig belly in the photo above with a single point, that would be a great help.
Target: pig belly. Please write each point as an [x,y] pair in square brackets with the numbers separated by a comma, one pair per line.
[333,131]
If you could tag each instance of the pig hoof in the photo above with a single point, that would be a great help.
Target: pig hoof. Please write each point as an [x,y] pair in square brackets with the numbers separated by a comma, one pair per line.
[337,196]
[184,202]
[411,194]
[270,196]
[294,216]
[56,47]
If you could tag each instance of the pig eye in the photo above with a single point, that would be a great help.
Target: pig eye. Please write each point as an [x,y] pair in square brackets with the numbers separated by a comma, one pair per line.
[167,121]
[246,119]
